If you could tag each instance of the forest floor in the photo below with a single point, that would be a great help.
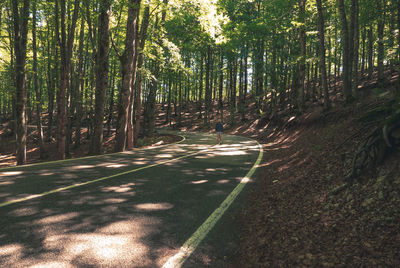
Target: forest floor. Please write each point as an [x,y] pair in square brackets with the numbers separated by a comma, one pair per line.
[297,211]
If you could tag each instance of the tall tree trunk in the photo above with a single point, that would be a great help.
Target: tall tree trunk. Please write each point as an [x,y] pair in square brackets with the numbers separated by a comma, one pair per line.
[200,99]
[207,98]
[221,83]
[154,83]
[322,66]
[347,63]
[356,43]
[370,53]
[127,61]
[139,74]
[259,72]
[36,85]
[364,34]
[79,86]
[398,43]
[20,21]
[381,48]
[66,44]
[52,81]
[101,75]
[111,103]
[302,62]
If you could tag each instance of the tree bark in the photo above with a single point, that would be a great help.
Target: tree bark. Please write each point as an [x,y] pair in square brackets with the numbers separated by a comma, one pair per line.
[127,60]
[79,86]
[381,48]
[370,53]
[302,62]
[20,21]
[322,65]
[347,63]
[207,98]
[138,98]
[66,44]
[101,75]
[36,85]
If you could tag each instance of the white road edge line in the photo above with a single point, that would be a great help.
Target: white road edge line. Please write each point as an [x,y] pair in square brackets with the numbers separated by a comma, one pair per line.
[198,236]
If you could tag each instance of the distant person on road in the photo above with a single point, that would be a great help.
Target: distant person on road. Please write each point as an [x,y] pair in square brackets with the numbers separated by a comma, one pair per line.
[219,128]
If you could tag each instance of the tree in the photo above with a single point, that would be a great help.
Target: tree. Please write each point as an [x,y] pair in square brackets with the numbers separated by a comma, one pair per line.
[66,43]
[321,36]
[20,21]
[128,68]
[347,63]
[101,75]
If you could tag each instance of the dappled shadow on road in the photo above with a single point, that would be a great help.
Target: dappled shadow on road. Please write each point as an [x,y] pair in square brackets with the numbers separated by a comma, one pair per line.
[137,219]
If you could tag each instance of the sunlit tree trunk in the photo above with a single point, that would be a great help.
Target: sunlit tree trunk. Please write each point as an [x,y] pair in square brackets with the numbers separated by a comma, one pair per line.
[36,85]
[127,61]
[20,21]
[139,73]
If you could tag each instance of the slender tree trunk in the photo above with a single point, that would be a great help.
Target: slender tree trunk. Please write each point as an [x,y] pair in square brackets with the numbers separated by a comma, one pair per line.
[221,83]
[111,103]
[356,44]
[139,74]
[322,66]
[79,84]
[370,53]
[20,21]
[347,63]
[364,34]
[154,83]
[101,75]
[36,85]
[381,48]
[302,62]
[66,45]
[398,41]
[200,99]
[207,98]
[127,61]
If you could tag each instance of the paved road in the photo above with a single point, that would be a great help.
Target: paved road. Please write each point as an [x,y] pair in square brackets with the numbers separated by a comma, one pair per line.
[131,209]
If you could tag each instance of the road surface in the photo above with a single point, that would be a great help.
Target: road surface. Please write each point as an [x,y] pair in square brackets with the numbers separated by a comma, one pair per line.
[142,208]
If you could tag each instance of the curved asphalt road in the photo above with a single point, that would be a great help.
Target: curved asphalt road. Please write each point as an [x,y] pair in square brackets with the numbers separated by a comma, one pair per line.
[131,209]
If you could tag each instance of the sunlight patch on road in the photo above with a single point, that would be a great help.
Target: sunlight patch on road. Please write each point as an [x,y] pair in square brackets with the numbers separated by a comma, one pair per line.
[47,174]
[116,166]
[199,182]
[11,173]
[163,156]
[80,167]
[120,189]
[51,264]
[57,218]
[11,249]
[154,206]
